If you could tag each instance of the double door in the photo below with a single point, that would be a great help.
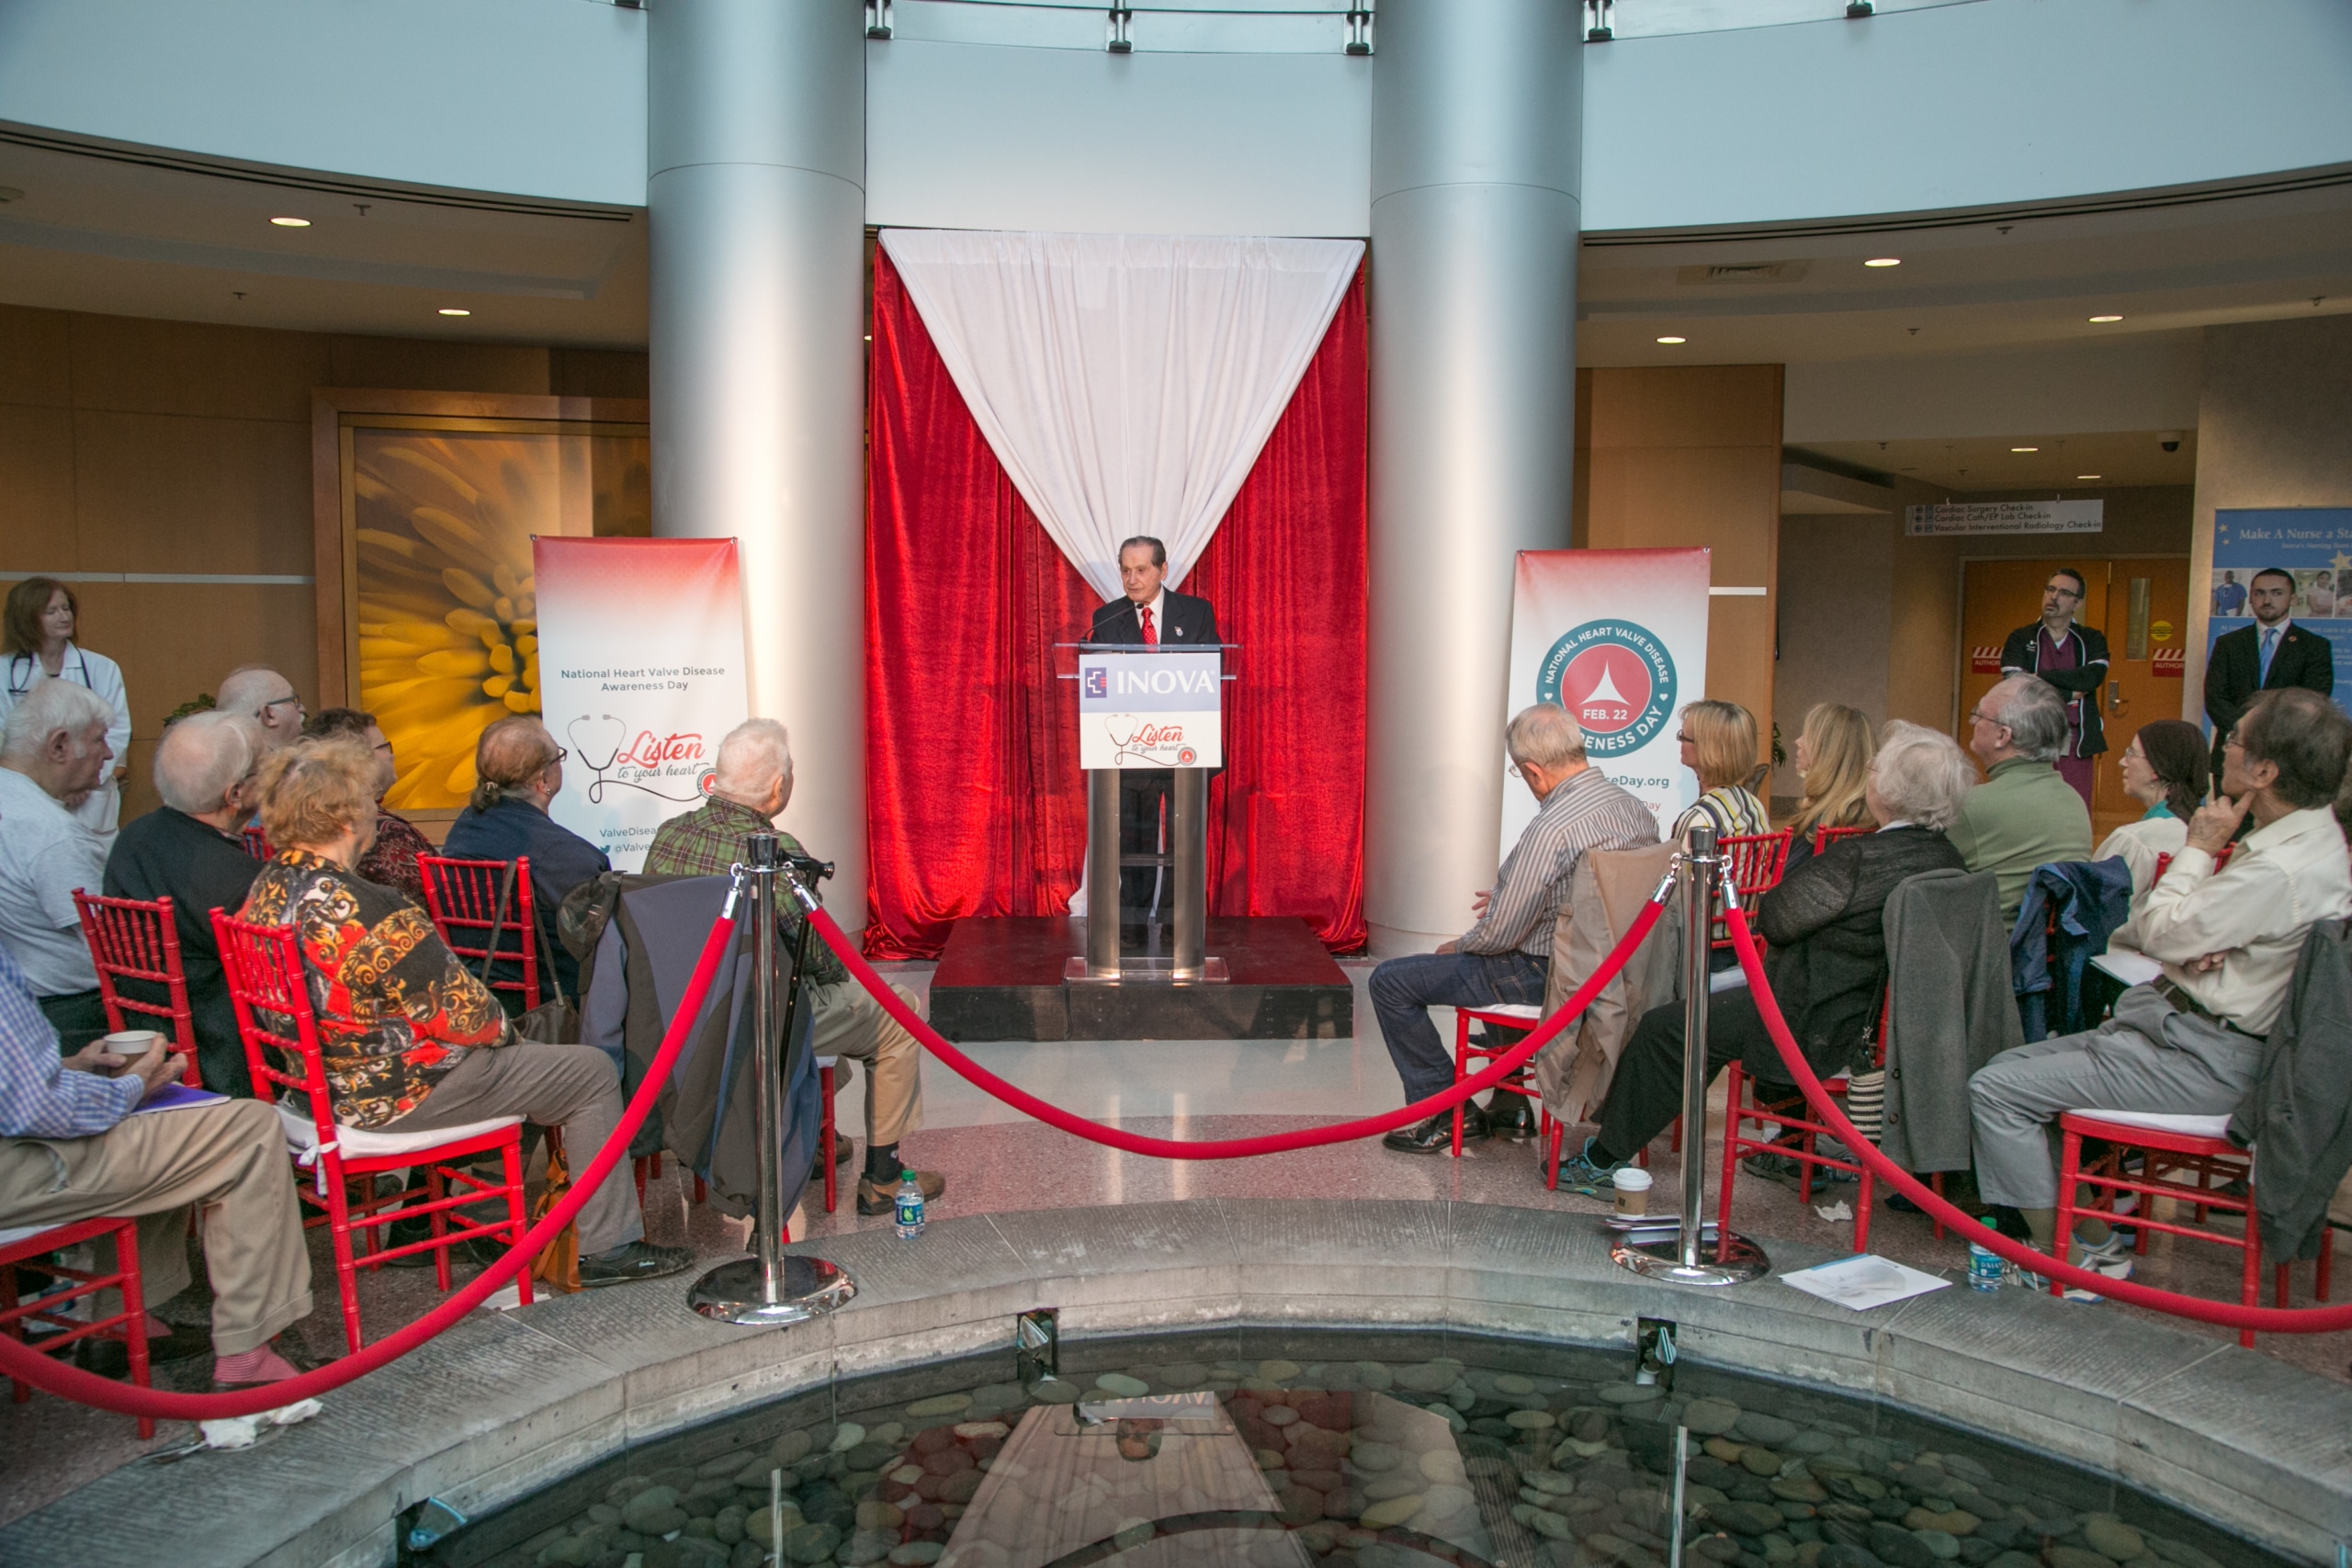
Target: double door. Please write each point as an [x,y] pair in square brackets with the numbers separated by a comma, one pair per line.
[2142,605]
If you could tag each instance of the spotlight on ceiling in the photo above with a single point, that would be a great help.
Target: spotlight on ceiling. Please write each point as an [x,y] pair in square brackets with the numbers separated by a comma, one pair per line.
[1884,261]
[2102,320]
[291,222]
[2025,448]
[1673,339]
[2090,476]
[453,310]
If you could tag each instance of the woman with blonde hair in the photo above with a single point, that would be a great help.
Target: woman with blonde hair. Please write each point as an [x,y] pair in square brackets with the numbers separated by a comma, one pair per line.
[1833,757]
[1719,745]
[410,1038]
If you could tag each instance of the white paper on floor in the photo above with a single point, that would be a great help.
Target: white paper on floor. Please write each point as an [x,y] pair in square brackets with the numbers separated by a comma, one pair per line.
[1837,1210]
[507,1298]
[1863,1281]
[239,1431]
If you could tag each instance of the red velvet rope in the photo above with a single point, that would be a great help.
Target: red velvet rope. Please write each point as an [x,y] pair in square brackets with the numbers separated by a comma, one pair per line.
[1237,1148]
[47,1373]
[2229,1315]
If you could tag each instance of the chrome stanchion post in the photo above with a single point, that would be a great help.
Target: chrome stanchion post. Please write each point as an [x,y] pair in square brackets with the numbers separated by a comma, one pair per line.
[772,1287]
[1677,1257]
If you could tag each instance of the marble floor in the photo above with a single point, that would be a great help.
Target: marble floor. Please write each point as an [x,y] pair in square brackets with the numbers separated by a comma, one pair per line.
[998,1161]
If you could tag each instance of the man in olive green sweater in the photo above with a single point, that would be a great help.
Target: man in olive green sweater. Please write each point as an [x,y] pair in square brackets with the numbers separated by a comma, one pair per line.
[2024,814]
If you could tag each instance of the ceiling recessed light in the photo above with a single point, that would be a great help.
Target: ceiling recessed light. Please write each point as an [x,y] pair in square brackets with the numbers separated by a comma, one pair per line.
[2103,319]
[1673,339]
[2090,476]
[2025,448]
[453,310]
[1884,261]
[291,222]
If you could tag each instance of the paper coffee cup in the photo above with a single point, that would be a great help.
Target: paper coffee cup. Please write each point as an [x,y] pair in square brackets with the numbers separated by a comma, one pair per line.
[1632,1185]
[131,1042]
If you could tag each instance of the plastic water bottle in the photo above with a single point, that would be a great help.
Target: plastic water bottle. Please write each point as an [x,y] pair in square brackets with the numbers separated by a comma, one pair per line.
[909,1207]
[1984,1266]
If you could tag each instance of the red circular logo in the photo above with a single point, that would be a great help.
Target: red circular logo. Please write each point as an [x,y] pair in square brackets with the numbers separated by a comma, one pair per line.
[1186,756]
[1605,688]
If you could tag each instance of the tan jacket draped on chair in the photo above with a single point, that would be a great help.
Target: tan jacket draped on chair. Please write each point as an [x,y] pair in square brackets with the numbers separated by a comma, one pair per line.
[1605,893]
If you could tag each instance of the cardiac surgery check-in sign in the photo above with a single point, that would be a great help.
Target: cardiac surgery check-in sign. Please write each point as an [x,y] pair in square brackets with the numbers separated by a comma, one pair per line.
[1149,709]
[641,674]
[1618,639]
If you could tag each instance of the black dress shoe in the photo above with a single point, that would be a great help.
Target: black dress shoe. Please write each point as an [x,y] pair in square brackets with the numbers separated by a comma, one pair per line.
[1512,1120]
[111,1358]
[628,1265]
[1435,1135]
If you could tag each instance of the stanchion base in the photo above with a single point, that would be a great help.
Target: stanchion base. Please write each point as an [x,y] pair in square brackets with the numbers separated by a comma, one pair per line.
[1659,1257]
[808,1288]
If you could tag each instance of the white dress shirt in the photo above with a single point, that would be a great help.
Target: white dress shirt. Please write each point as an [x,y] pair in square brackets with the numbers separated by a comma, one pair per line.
[2283,879]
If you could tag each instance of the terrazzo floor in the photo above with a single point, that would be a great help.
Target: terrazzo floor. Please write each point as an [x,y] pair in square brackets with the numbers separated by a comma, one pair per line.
[998,1162]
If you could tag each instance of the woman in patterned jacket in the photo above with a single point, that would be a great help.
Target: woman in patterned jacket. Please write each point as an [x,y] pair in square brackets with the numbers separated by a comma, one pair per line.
[411,1040]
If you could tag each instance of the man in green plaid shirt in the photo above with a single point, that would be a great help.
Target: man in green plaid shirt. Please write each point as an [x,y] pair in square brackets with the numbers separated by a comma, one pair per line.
[754,779]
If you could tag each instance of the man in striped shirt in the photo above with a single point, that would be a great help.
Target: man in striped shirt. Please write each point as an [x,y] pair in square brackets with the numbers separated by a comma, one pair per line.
[1507,956]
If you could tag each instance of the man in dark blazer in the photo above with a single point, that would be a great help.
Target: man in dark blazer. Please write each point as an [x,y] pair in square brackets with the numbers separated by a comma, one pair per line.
[2269,654]
[1151,614]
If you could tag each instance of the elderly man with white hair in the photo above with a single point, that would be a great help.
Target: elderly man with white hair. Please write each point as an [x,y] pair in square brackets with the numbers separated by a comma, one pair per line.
[1826,958]
[266,696]
[55,750]
[188,850]
[2025,814]
[1507,956]
[754,782]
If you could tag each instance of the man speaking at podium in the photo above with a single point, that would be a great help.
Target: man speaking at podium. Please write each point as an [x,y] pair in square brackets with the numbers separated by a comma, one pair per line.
[1151,614]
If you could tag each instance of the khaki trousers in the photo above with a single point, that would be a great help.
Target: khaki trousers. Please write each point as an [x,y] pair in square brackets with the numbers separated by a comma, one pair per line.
[849,1023]
[228,1161]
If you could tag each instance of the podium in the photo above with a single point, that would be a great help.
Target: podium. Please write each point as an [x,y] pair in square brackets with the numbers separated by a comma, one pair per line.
[1149,709]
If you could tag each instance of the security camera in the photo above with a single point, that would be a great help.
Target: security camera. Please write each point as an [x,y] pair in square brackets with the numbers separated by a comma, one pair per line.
[2169,440]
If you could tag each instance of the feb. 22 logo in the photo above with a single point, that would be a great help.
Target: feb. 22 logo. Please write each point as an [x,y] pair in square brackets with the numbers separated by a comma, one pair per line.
[1615,679]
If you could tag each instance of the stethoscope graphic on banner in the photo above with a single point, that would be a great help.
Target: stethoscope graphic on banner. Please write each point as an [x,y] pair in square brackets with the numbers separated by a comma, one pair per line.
[17,688]
[616,737]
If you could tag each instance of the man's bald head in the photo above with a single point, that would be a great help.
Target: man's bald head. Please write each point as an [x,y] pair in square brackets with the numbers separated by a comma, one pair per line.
[266,696]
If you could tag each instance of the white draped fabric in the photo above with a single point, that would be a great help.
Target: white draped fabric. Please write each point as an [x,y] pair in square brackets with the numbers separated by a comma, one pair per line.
[1127,382]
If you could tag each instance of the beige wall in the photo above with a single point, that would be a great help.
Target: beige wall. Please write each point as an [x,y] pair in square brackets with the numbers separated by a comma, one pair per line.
[2274,428]
[1688,457]
[130,445]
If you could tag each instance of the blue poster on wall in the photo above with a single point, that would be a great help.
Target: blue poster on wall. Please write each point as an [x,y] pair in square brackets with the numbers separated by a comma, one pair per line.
[2313,545]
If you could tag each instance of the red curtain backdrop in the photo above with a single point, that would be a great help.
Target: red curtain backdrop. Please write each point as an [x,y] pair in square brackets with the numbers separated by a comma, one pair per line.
[974,802]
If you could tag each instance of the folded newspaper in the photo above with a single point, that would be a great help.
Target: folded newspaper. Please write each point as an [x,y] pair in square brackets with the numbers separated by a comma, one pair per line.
[1863,1281]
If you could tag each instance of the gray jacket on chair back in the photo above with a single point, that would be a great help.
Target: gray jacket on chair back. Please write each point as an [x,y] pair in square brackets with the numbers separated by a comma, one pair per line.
[1952,1011]
[2298,1116]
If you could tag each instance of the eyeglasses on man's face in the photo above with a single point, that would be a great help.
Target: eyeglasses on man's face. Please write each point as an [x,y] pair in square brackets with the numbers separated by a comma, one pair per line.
[281,701]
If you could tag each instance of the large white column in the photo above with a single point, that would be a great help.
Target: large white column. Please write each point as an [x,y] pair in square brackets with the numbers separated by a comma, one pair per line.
[1477,153]
[756,129]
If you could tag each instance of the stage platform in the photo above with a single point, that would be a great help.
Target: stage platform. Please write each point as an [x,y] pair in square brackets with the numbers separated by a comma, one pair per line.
[1002,980]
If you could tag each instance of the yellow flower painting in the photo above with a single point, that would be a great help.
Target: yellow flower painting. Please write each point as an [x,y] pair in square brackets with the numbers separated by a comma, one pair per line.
[447,616]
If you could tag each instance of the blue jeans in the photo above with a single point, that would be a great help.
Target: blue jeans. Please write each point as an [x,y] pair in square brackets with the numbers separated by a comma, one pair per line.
[1403,989]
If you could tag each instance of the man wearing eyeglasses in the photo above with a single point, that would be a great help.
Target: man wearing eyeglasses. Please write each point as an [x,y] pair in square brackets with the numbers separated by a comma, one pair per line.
[2072,658]
[268,697]
[2023,814]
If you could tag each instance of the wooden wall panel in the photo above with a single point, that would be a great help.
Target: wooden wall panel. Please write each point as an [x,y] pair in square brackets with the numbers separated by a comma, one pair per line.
[156,494]
[35,359]
[37,527]
[130,365]
[1692,456]
[414,366]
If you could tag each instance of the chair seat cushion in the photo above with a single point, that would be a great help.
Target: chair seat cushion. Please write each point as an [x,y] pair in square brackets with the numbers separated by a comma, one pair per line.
[363,1143]
[10,1238]
[1507,1010]
[2163,1122]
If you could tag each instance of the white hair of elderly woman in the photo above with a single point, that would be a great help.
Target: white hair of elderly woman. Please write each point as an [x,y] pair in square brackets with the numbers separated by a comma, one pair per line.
[52,706]
[1546,737]
[1921,775]
[203,756]
[755,754]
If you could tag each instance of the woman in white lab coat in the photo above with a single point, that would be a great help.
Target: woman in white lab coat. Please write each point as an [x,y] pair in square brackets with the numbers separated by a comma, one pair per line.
[37,628]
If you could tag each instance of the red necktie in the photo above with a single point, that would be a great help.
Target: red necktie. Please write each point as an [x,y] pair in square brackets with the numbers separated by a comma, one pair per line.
[1150,635]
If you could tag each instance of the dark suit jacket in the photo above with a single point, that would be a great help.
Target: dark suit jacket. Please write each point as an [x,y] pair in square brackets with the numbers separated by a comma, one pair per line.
[2234,675]
[1190,622]
[199,868]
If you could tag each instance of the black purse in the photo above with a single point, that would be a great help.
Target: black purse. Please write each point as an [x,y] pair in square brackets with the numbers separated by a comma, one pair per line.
[554,1021]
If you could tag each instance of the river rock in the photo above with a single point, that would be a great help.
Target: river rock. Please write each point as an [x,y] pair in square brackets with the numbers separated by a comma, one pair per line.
[1758,1426]
[1389,1511]
[1839,1555]
[1760,1461]
[1745,1519]
[937,1405]
[1798,1489]
[1945,1545]
[1511,1382]
[1120,1385]
[1398,1484]
[1429,1377]
[1056,1391]
[2112,1539]
[866,1546]
[1277,1371]
[1711,1418]
[654,1511]
[1898,1547]
[811,1543]
[1371,1457]
[915,1553]
[1543,1522]
[2076,1557]
[2014,1559]
[1375,1376]
[1532,1420]
[847,1436]
[1443,1465]
[1954,1522]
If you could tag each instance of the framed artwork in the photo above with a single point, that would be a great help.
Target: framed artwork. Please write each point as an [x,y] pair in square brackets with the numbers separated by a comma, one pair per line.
[425,506]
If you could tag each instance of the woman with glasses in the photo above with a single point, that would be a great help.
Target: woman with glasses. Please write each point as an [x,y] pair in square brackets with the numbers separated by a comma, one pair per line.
[518,770]
[1719,745]
[392,859]
[37,638]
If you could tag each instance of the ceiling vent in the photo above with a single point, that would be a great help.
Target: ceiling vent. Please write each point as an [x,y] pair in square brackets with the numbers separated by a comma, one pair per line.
[1743,272]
